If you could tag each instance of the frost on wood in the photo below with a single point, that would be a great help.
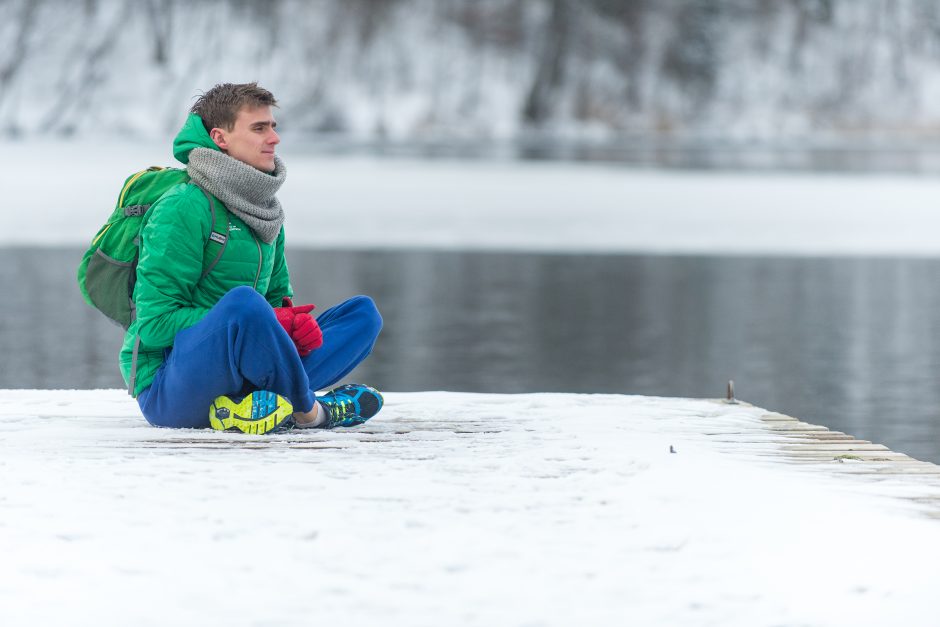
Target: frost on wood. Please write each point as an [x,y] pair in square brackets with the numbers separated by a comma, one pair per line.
[451,509]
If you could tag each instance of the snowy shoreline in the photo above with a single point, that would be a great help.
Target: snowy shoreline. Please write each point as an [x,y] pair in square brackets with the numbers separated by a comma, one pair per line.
[453,508]
[526,206]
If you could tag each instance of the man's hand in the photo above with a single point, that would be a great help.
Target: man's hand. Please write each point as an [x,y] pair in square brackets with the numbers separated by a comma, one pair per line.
[300,326]
[285,314]
[307,335]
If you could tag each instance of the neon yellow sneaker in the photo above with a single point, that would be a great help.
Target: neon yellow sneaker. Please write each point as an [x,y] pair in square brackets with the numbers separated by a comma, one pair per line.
[259,412]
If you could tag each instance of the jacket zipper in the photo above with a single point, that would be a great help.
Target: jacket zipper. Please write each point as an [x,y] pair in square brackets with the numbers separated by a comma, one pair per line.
[257,276]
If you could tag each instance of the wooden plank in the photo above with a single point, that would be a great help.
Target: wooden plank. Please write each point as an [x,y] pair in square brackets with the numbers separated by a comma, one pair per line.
[835,445]
[820,435]
[870,456]
[784,437]
[778,418]
[895,469]
[796,427]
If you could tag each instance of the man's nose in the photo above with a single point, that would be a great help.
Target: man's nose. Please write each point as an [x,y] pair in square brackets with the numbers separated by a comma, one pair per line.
[274,138]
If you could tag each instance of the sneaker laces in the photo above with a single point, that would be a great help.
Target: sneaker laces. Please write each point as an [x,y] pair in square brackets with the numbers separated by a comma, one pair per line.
[339,408]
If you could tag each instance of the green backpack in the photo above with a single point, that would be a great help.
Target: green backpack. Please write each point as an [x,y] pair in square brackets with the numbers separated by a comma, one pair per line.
[108,271]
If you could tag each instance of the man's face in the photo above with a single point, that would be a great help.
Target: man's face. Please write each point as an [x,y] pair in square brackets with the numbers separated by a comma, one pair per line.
[252,139]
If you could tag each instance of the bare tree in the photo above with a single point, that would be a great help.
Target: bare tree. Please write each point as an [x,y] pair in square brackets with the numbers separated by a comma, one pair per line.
[550,65]
[692,56]
[18,51]
[160,14]
[631,15]
[898,38]
[809,13]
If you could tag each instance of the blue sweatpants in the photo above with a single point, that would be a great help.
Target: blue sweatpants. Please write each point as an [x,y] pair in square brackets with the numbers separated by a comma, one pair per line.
[239,346]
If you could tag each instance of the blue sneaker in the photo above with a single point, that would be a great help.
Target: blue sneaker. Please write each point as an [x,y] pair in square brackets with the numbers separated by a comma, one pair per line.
[350,405]
[259,412]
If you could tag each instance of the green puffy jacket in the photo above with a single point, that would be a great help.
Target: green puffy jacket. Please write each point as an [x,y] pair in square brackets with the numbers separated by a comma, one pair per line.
[169,295]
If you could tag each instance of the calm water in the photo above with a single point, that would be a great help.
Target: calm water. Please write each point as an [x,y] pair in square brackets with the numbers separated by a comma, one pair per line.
[853,344]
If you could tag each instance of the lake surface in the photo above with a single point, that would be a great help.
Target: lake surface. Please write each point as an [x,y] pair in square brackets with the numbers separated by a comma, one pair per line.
[850,343]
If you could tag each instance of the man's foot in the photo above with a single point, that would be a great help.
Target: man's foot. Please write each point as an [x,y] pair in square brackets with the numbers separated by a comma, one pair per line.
[259,412]
[350,405]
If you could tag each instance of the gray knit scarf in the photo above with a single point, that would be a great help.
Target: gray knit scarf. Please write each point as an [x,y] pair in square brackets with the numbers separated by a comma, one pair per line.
[246,191]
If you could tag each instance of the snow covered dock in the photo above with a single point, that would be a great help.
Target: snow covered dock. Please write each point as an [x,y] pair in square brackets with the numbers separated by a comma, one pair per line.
[461,509]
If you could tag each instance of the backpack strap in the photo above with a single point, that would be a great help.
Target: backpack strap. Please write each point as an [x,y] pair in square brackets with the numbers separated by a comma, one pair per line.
[218,238]
[130,182]
[132,380]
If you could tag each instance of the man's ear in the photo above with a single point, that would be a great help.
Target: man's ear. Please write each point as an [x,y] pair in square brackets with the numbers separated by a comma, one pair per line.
[218,136]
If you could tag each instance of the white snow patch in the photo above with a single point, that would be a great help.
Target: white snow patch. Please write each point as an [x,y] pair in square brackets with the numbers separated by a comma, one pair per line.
[446,509]
[60,193]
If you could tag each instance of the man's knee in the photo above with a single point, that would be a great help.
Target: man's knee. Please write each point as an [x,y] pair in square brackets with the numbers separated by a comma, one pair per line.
[245,303]
[368,313]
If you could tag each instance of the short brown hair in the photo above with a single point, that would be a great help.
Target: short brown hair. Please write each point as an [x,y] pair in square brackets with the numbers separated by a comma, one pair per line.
[219,106]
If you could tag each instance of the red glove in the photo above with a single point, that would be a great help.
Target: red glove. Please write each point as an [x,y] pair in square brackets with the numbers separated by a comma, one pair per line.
[307,335]
[300,326]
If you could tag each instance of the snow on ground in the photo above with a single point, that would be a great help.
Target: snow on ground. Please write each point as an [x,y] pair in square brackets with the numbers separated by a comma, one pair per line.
[62,193]
[447,509]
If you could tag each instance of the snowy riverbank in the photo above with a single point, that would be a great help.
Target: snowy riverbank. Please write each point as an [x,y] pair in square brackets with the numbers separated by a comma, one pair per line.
[487,205]
[449,509]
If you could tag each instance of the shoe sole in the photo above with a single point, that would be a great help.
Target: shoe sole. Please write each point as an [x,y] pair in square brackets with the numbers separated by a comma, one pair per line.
[258,413]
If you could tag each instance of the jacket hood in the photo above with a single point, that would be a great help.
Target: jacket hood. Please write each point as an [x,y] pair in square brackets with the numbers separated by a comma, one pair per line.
[192,135]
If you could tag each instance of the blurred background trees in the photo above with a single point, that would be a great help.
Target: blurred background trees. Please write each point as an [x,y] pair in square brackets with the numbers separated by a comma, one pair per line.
[405,69]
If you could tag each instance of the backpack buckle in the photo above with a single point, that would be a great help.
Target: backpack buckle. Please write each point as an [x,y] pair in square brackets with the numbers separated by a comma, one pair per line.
[135,210]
